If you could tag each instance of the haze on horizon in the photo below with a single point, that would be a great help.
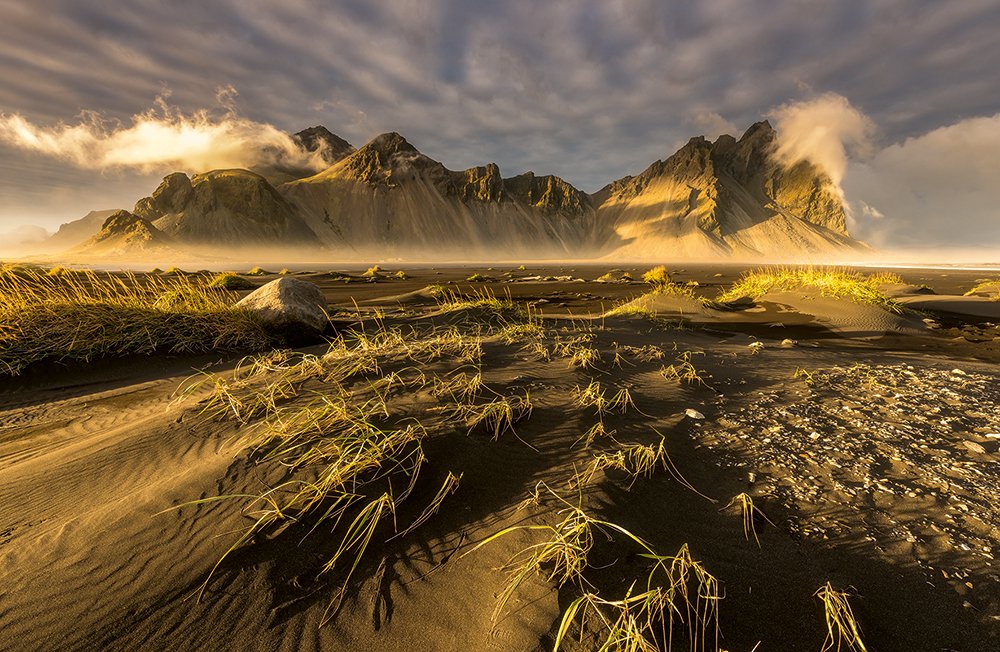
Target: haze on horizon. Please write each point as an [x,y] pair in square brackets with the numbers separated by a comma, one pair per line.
[899,101]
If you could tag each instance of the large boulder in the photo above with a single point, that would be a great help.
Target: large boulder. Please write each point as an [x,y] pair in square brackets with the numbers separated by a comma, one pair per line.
[291,306]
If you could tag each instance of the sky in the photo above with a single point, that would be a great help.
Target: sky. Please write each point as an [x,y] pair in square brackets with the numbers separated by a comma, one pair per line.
[899,98]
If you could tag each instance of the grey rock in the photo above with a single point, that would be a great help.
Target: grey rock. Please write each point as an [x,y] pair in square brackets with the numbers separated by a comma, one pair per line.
[290,305]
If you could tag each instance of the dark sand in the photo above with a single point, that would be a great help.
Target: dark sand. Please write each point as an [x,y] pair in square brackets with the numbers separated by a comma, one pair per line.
[879,473]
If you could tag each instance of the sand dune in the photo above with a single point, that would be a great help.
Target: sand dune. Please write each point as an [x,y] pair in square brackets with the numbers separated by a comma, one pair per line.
[90,458]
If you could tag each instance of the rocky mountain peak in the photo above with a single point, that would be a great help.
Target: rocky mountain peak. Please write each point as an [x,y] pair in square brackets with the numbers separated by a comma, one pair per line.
[169,197]
[332,147]
[549,193]
[124,232]
[481,183]
[386,159]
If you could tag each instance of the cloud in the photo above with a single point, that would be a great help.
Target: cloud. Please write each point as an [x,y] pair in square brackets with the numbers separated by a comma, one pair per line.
[937,188]
[825,130]
[162,138]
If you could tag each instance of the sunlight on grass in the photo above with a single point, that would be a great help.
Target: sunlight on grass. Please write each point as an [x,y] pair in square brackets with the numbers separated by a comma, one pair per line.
[85,315]
[831,282]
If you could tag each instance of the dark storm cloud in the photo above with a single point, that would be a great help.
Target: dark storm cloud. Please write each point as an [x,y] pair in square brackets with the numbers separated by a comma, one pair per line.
[589,90]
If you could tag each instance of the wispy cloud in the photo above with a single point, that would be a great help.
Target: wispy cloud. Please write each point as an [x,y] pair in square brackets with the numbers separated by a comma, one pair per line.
[825,130]
[162,138]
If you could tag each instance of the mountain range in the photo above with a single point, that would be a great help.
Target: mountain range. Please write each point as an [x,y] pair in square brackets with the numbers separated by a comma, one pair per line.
[727,198]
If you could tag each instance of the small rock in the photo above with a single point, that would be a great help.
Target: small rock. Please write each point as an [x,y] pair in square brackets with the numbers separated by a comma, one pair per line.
[788,343]
[290,305]
[693,414]
[974,447]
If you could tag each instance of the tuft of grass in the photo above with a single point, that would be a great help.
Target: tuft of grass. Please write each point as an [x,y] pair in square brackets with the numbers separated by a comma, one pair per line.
[259,271]
[658,277]
[500,415]
[401,275]
[678,589]
[593,395]
[580,352]
[635,460]
[58,271]
[750,512]
[811,378]
[231,281]
[86,315]
[484,307]
[986,287]
[683,371]
[831,282]
[841,626]
[284,271]
[480,278]
[372,272]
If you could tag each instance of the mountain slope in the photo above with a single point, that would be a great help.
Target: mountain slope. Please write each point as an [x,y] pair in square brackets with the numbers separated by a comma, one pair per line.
[73,233]
[126,234]
[389,199]
[224,208]
[730,198]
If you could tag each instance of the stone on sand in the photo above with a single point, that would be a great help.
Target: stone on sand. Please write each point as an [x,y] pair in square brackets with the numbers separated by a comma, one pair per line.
[290,305]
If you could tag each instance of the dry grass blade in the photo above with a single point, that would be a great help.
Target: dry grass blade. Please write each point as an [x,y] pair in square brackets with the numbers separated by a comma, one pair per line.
[359,534]
[749,512]
[842,628]
[449,486]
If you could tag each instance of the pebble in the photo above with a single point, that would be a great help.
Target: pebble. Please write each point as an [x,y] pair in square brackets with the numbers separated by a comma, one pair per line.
[693,414]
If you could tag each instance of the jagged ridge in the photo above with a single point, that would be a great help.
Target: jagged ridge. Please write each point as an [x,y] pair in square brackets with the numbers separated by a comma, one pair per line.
[728,197]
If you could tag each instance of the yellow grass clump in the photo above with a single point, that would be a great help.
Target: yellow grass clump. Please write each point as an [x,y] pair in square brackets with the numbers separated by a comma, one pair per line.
[831,282]
[86,315]
[985,287]
[230,281]
[657,277]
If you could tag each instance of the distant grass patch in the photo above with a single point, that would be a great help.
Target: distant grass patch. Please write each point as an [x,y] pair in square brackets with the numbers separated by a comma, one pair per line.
[231,281]
[482,306]
[480,278]
[831,282]
[259,271]
[84,316]
[987,287]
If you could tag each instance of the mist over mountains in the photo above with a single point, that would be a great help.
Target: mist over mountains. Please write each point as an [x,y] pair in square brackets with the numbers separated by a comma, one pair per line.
[734,198]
